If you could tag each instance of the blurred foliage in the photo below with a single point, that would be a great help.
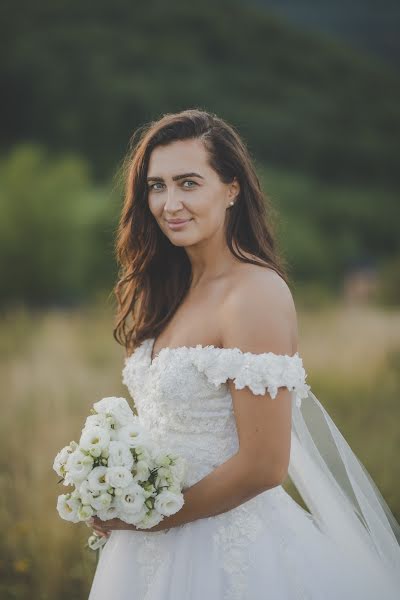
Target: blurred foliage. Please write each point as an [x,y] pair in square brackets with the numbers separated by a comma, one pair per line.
[389,291]
[56,229]
[83,79]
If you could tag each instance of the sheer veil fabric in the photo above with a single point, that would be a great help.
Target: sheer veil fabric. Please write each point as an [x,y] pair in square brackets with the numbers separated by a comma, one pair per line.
[339,492]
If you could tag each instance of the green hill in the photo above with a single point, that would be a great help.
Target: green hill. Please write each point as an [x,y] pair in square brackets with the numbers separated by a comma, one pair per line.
[81,79]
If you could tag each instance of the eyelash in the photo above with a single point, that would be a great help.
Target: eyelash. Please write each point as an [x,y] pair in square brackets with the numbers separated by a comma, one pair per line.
[151,186]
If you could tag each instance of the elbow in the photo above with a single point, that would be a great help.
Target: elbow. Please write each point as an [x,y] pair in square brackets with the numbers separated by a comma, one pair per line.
[262,476]
[272,478]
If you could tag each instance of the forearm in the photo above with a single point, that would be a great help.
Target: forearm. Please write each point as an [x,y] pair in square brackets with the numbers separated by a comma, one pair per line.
[230,484]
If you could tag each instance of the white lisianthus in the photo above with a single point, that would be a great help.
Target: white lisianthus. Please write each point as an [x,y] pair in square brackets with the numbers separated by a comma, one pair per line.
[68,480]
[150,520]
[132,499]
[119,455]
[149,489]
[164,477]
[85,492]
[133,517]
[61,460]
[108,513]
[118,408]
[141,471]
[97,420]
[78,466]
[95,440]
[68,507]
[102,501]
[168,503]
[175,488]
[144,453]
[97,481]
[179,468]
[118,471]
[132,434]
[85,511]
[118,477]
[162,459]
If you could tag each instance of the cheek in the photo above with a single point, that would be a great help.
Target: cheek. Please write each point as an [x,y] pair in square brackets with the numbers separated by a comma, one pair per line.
[155,207]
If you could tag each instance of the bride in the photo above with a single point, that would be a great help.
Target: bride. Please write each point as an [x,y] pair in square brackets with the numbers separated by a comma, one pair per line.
[208,322]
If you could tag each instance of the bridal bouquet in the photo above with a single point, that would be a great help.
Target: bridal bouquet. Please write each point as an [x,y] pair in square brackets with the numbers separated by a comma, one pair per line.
[118,472]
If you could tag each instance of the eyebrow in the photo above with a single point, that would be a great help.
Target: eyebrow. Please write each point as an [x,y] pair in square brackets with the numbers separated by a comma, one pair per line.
[176,177]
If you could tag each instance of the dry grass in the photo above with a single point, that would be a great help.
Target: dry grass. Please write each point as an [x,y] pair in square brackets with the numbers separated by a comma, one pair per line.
[55,365]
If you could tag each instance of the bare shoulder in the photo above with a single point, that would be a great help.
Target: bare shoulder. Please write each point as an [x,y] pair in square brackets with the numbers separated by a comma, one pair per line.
[259,313]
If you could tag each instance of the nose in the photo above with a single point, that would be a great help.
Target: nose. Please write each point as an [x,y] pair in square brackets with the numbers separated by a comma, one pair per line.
[172,202]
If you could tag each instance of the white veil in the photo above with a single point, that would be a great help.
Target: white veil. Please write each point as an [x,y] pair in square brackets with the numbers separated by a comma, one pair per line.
[340,494]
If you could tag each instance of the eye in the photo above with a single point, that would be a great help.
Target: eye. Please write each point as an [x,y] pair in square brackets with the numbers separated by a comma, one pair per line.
[151,186]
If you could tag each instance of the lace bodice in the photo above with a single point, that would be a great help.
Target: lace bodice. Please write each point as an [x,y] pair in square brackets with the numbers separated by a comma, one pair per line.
[183,398]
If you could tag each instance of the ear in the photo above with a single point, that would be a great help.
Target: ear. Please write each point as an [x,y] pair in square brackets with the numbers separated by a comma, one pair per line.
[233,190]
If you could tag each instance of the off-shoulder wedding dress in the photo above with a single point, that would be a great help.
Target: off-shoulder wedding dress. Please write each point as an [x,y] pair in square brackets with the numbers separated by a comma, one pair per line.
[269,548]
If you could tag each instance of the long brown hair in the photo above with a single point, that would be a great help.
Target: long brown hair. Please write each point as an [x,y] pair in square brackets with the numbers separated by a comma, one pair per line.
[154,274]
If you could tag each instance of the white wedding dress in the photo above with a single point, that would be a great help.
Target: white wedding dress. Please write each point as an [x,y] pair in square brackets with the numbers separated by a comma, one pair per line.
[268,548]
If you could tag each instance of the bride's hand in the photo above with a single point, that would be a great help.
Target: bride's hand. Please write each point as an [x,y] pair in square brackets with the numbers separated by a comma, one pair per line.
[104,528]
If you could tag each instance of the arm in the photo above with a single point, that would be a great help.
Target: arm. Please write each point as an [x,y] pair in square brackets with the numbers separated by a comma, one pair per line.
[258,317]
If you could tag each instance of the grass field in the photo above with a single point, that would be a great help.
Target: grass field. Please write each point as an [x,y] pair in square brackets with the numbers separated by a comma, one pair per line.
[54,365]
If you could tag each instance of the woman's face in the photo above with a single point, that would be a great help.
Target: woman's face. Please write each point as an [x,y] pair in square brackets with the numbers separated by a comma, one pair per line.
[182,186]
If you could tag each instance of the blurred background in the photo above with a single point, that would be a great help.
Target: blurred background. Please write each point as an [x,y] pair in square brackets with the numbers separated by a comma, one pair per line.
[314,89]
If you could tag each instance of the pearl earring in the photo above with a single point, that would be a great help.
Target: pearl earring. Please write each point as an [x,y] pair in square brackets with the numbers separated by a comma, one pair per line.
[231,203]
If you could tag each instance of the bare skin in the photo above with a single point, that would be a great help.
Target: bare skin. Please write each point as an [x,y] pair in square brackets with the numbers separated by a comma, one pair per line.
[229,304]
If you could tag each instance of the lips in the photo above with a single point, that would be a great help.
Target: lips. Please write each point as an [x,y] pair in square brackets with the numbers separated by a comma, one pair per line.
[177,221]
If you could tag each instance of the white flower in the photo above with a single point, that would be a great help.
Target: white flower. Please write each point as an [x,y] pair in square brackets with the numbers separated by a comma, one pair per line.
[68,480]
[85,492]
[108,513]
[133,434]
[133,517]
[94,440]
[119,455]
[163,459]
[118,408]
[97,481]
[97,420]
[149,520]
[164,477]
[132,499]
[141,471]
[85,511]
[118,477]
[102,501]
[179,469]
[78,466]
[68,507]
[167,503]
[61,459]
[149,489]
[144,453]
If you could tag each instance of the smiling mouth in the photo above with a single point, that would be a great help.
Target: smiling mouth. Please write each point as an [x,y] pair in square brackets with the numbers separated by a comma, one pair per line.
[178,224]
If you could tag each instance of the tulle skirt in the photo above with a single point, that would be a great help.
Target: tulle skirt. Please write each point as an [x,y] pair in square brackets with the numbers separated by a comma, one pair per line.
[267,548]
